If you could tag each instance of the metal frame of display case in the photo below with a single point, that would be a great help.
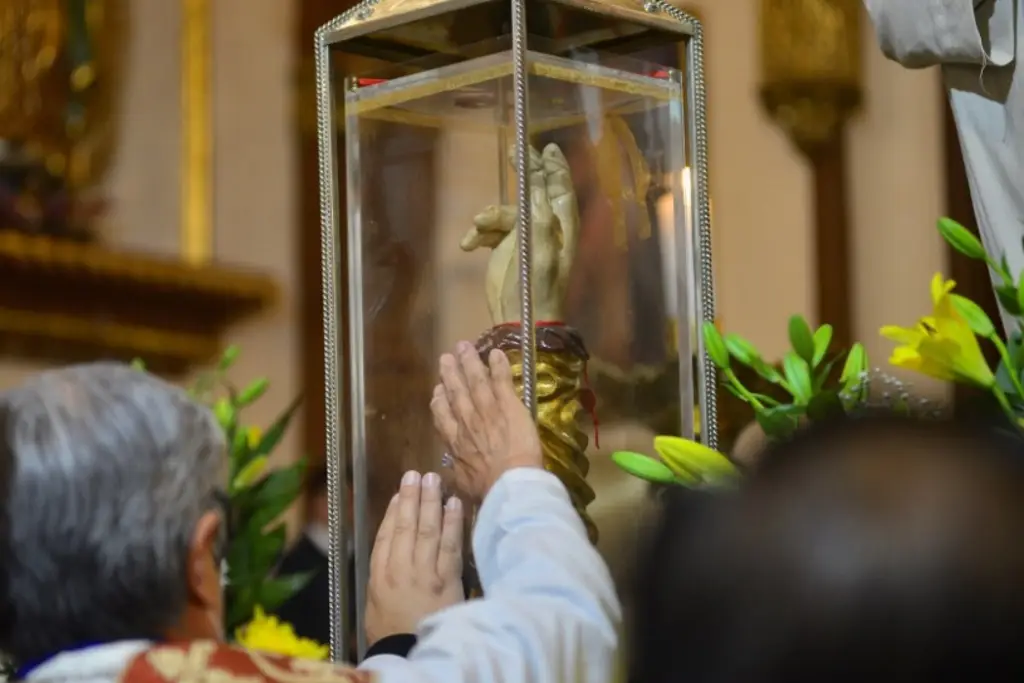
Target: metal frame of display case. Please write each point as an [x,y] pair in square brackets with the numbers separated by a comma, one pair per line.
[370,16]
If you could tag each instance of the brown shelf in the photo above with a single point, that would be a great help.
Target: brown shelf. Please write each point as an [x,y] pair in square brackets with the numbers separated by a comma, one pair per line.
[65,302]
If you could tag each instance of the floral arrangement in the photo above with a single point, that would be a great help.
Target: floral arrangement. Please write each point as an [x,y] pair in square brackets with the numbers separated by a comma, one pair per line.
[268,634]
[806,378]
[259,496]
[946,344]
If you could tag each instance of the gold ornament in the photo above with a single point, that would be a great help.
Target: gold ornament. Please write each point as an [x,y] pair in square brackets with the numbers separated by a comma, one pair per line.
[561,393]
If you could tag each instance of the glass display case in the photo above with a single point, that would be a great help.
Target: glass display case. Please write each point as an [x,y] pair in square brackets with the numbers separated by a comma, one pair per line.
[531,178]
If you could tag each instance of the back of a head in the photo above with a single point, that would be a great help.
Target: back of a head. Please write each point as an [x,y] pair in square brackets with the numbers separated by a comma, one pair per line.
[110,470]
[880,549]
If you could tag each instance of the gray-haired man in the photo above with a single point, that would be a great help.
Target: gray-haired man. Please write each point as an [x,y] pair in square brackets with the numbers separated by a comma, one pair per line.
[111,539]
[113,531]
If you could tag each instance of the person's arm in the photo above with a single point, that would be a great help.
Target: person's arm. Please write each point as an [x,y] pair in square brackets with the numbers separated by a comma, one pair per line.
[549,612]
[922,33]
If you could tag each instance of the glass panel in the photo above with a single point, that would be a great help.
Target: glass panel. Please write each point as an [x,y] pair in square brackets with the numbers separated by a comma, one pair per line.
[430,206]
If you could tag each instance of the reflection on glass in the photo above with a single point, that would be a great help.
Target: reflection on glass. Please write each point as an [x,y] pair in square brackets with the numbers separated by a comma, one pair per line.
[431,198]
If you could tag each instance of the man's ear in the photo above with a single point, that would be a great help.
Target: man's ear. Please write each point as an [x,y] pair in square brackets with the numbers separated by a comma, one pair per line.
[204,580]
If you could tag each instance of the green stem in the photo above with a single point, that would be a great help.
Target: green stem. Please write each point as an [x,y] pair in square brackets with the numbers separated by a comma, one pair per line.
[1011,367]
[1000,271]
[743,391]
[1004,403]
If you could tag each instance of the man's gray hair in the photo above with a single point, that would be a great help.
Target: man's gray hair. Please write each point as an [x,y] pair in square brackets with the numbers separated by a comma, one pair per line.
[110,470]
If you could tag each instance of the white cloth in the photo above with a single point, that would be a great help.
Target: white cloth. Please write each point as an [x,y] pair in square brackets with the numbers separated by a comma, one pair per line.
[99,664]
[550,614]
[979,45]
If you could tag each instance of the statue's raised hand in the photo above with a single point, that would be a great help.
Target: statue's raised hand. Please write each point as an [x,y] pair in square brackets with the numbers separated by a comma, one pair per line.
[554,225]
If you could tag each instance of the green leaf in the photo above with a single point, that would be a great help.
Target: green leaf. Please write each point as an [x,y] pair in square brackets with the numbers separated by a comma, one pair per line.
[1020,293]
[275,592]
[823,372]
[763,398]
[241,604]
[741,349]
[961,239]
[273,495]
[240,454]
[1015,350]
[972,314]
[714,345]
[225,414]
[777,423]
[767,371]
[1015,346]
[138,364]
[252,393]
[800,338]
[253,555]
[822,339]
[825,406]
[228,358]
[274,434]
[1004,263]
[856,365]
[798,376]
[249,474]
[643,467]
[1007,296]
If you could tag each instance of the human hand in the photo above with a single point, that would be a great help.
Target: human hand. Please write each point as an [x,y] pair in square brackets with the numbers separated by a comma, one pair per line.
[416,563]
[554,222]
[484,425]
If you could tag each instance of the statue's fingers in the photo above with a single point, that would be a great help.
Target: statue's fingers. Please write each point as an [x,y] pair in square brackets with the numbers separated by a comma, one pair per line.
[490,227]
[540,203]
[535,161]
[562,196]
[473,239]
[556,172]
[494,218]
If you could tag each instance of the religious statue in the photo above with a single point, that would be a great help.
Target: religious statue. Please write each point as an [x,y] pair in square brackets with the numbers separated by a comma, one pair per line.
[561,353]
[58,64]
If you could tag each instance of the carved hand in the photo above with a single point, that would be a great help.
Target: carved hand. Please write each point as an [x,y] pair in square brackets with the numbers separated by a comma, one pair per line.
[555,230]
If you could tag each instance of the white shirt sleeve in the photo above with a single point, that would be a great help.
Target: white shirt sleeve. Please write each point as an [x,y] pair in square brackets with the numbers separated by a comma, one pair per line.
[549,615]
[920,33]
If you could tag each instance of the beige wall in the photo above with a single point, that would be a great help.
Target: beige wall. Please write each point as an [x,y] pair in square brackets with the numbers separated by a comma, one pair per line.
[761,187]
[761,192]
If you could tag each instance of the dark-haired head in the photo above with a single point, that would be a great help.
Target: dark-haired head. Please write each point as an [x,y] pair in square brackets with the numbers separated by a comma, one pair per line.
[883,549]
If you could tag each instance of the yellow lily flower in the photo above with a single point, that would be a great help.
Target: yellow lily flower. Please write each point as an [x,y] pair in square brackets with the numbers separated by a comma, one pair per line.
[692,460]
[268,634]
[941,345]
[253,436]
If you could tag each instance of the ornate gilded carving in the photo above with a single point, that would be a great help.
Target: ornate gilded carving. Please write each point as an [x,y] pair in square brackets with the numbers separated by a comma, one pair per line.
[59,69]
[65,301]
[561,393]
[811,66]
